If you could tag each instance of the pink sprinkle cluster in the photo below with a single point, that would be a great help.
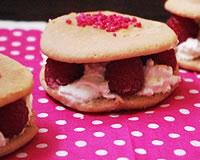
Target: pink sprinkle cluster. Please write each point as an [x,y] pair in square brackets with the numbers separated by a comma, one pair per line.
[110,23]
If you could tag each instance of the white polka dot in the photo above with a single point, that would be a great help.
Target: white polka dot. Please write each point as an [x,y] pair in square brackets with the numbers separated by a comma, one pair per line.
[61,153]
[15,52]
[182,71]
[198,76]
[31,39]
[184,111]
[188,80]
[61,122]
[137,133]
[16,44]
[78,115]
[122,158]
[189,128]
[153,125]
[22,155]
[160,159]
[164,105]
[133,118]
[119,142]
[80,143]
[60,108]
[157,142]
[42,115]
[79,129]
[169,118]
[99,134]
[42,145]
[30,48]
[179,152]
[43,100]
[149,112]
[61,136]
[97,122]
[29,57]
[117,125]
[3,38]
[43,130]
[114,115]
[197,105]
[41,88]
[193,91]
[101,152]
[2,48]
[179,97]
[17,33]
[174,135]
[140,151]
[195,143]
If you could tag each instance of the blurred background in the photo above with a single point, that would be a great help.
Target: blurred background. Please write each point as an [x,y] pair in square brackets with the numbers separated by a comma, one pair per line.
[46,9]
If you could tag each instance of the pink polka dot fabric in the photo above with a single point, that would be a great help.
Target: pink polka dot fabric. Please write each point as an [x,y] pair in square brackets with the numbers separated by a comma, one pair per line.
[171,130]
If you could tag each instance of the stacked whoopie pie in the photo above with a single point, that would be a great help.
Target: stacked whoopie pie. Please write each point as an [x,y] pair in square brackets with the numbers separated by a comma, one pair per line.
[102,61]
[185,21]
[17,125]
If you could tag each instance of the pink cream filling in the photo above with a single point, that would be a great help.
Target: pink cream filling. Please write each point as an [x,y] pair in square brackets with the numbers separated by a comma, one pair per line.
[92,85]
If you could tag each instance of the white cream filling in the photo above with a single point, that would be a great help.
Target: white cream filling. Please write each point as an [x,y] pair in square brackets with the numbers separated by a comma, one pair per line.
[28,100]
[3,140]
[158,79]
[189,49]
[92,85]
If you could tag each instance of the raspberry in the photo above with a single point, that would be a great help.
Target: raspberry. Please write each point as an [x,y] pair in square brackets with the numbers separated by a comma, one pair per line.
[13,118]
[61,73]
[125,77]
[167,58]
[183,27]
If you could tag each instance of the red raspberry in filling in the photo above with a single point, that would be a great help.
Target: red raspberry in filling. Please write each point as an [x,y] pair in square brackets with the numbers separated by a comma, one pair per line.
[125,77]
[13,118]
[166,58]
[61,73]
[183,27]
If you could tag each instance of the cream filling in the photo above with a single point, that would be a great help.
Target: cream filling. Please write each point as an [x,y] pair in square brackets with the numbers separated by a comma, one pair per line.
[28,100]
[158,79]
[92,85]
[189,49]
[3,140]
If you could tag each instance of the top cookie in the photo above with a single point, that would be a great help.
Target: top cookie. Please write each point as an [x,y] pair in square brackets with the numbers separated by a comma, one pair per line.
[184,8]
[64,40]
[15,80]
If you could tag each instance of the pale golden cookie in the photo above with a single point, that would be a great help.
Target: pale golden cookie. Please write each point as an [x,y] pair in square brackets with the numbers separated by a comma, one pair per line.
[19,141]
[184,8]
[15,80]
[193,65]
[71,43]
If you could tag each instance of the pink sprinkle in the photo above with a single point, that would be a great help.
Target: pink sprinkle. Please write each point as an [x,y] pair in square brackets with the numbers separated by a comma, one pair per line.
[69,21]
[138,24]
[110,23]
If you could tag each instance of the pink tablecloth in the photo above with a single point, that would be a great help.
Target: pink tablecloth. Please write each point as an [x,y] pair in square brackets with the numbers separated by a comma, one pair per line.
[168,131]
